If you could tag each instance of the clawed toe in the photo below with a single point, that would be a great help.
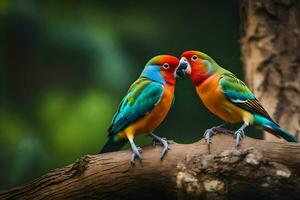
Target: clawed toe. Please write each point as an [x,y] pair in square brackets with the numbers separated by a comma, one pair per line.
[165,144]
[212,131]
[208,134]
[136,153]
[139,149]
[162,141]
[239,135]
[164,152]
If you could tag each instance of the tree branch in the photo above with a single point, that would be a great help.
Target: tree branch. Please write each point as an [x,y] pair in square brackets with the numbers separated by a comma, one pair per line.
[260,169]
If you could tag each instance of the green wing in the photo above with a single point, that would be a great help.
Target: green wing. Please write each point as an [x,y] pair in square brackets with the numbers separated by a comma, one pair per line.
[142,96]
[238,93]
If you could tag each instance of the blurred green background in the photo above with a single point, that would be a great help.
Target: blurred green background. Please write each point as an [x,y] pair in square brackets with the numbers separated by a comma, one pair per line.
[65,66]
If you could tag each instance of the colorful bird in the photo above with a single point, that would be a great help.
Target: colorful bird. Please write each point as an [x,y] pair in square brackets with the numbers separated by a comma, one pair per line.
[145,106]
[227,97]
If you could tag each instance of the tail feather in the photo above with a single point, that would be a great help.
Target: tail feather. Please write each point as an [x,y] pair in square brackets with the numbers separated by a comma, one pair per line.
[280,132]
[273,128]
[112,145]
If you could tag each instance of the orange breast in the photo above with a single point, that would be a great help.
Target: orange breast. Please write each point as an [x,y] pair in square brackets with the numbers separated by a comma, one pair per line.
[214,99]
[154,118]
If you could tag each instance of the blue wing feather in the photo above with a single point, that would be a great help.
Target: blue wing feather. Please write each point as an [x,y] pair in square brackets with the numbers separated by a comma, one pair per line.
[140,99]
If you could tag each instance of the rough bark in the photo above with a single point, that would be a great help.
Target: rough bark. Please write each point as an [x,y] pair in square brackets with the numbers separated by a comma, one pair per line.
[260,169]
[271,55]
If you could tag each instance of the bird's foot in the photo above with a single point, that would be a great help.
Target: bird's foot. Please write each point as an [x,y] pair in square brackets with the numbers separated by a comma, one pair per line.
[157,142]
[166,148]
[213,131]
[239,135]
[165,143]
[161,141]
[136,153]
[208,134]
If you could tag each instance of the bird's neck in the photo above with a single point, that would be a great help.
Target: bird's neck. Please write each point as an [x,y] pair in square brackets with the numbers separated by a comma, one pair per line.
[199,77]
[169,78]
[169,86]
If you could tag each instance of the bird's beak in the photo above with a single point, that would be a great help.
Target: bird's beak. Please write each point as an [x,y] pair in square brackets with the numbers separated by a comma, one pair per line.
[183,66]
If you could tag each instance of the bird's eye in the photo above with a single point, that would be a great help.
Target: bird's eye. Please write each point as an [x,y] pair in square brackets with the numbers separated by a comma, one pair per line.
[194,58]
[166,66]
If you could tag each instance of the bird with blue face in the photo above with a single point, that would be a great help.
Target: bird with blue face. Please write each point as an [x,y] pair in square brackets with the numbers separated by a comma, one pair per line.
[145,106]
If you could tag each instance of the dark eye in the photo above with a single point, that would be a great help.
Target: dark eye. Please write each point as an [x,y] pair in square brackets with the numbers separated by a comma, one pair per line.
[194,58]
[166,66]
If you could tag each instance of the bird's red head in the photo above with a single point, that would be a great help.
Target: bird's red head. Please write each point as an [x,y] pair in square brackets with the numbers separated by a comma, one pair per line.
[166,66]
[199,65]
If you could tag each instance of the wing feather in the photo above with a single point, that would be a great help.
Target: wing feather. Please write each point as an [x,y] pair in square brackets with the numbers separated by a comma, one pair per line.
[142,96]
[239,94]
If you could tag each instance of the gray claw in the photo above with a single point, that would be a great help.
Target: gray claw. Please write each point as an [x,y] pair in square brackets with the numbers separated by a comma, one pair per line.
[132,159]
[165,144]
[239,135]
[207,135]
[136,153]
[162,141]
[139,149]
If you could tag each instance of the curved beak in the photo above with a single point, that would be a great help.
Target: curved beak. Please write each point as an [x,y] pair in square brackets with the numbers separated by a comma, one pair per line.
[183,65]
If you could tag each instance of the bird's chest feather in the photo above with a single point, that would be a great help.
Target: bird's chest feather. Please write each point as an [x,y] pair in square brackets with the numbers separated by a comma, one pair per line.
[153,119]
[214,99]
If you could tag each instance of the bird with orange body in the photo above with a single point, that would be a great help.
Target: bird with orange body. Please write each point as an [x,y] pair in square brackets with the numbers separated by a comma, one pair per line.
[227,97]
[145,106]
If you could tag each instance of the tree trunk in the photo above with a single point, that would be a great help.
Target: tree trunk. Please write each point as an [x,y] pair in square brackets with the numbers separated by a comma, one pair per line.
[271,55]
[260,169]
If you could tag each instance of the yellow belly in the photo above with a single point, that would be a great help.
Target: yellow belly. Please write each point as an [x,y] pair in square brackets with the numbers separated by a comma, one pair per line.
[214,99]
[153,119]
